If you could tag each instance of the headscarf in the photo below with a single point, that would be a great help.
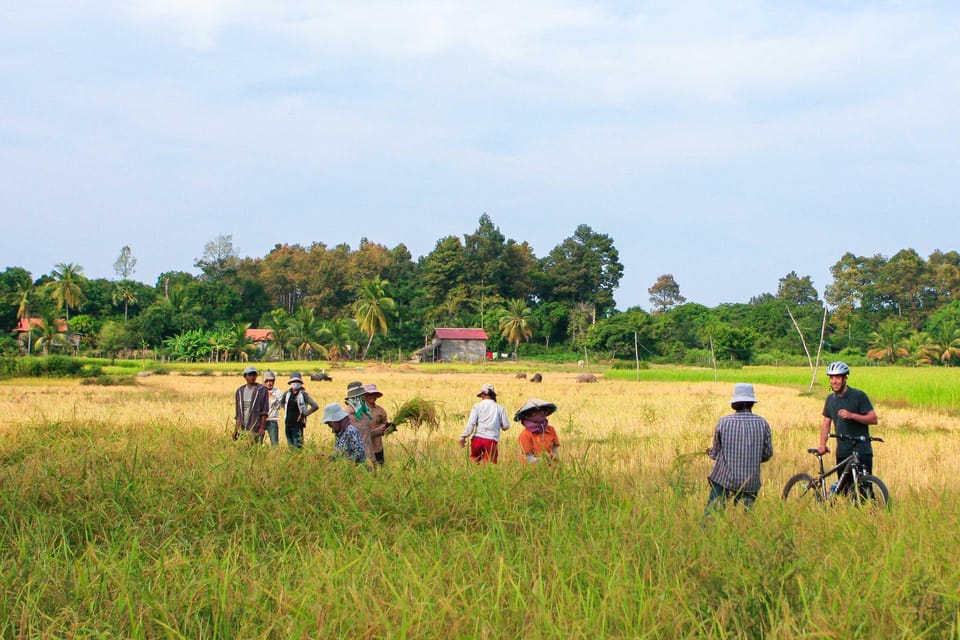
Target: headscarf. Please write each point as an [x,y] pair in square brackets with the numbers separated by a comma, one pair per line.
[359,407]
[534,425]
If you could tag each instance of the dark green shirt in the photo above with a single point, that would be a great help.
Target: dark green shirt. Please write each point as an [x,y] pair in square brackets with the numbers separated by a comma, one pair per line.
[854,401]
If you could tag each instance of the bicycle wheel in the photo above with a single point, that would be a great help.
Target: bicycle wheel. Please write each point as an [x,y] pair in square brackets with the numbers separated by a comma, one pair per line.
[873,493]
[802,487]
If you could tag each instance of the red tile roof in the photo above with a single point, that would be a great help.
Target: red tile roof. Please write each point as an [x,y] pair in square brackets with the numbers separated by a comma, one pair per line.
[260,335]
[460,334]
[38,322]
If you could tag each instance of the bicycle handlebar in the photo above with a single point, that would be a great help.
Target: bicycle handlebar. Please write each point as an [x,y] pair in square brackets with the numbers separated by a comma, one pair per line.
[842,436]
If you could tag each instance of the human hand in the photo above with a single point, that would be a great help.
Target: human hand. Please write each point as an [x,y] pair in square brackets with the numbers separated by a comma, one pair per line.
[822,449]
[236,434]
[463,442]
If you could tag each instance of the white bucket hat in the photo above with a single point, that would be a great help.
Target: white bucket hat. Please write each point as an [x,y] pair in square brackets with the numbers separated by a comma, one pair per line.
[333,412]
[743,392]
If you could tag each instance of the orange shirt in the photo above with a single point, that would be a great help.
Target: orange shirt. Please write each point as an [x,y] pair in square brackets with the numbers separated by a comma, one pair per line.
[538,444]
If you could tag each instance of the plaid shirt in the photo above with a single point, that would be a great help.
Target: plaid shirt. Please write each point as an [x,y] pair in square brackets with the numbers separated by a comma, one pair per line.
[740,443]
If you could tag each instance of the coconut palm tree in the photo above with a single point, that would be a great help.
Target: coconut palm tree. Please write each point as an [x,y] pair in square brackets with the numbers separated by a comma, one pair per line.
[50,335]
[372,308]
[946,341]
[65,289]
[238,344]
[515,323]
[306,333]
[22,297]
[338,338]
[886,343]
[125,293]
[278,321]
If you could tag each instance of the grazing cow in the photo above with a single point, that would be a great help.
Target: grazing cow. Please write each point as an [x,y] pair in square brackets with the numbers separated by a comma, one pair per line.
[521,376]
[586,377]
[321,377]
[536,378]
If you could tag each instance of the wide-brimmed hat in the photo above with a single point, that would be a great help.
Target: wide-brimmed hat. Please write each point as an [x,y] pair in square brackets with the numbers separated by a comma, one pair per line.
[534,404]
[371,390]
[295,377]
[269,375]
[355,390]
[743,392]
[249,370]
[487,389]
[333,412]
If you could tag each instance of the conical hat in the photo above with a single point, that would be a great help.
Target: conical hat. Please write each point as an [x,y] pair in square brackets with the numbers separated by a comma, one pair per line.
[534,403]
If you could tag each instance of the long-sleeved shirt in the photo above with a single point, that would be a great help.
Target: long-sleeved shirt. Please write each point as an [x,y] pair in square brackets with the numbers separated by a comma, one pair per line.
[347,444]
[741,442]
[487,419]
[248,417]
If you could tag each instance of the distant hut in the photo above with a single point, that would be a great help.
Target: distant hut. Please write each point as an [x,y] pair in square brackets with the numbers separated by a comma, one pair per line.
[451,344]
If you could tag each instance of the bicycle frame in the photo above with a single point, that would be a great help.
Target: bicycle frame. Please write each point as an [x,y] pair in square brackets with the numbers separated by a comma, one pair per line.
[849,467]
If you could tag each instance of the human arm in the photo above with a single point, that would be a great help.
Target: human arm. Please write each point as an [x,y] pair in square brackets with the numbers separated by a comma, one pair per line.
[311,405]
[471,426]
[868,418]
[767,452]
[824,434]
[714,451]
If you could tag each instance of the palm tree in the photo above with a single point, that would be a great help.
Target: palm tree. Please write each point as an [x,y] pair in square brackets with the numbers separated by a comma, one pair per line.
[371,309]
[124,292]
[338,338]
[920,348]
[278,321]
[22,297]
[305,334]
[50,335]
[887,341]
[64,289]
[946,341]
[239,345]
[515,323]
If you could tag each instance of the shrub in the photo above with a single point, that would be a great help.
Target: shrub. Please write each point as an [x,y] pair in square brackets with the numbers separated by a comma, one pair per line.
[629,364]
[108,380]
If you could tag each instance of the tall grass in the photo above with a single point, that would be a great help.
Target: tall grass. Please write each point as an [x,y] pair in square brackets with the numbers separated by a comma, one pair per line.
[130,513]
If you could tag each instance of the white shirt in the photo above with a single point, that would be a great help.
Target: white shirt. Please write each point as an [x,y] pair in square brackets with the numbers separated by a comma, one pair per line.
[487,419]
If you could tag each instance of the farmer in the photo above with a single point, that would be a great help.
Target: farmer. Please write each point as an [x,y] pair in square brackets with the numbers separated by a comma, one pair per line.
[851,413]
[362,416]
[538,440]
[252,406]
[378,416]
[346,443]
[741,442]
[275,396]
[487,419]
[297,405]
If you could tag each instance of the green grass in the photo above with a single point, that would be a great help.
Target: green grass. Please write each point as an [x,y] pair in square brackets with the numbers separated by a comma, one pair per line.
[933,387]
[115,531]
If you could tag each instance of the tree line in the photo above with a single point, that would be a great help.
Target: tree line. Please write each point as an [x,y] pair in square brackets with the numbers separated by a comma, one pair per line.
[323,302]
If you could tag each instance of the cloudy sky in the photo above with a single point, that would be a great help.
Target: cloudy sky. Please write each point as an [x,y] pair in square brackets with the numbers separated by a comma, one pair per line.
[726,143]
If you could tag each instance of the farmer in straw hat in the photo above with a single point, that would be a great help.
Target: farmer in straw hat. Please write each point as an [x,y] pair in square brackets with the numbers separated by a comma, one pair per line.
[741,442]
[362,417]
[378,420]
[297,405]
[538,440]
[487,419]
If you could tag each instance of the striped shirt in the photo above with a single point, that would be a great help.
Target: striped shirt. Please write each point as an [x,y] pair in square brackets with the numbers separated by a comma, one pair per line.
[740,443]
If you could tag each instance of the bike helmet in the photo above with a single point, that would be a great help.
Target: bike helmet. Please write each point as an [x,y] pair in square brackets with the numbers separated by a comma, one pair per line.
[838,369]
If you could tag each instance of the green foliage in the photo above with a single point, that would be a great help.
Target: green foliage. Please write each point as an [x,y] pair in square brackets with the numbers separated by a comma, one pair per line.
[50,367]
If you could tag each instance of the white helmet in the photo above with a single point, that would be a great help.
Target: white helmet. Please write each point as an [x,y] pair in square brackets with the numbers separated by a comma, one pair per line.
[838,369]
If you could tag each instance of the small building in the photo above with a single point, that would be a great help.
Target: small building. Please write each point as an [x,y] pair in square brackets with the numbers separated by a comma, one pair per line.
[25,326]
[454,345]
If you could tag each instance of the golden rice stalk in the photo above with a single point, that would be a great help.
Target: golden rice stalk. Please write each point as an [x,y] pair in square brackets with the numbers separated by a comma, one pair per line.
[417,412]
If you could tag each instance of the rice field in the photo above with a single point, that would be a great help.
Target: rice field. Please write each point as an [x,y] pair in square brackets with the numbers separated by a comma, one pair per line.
[128,512]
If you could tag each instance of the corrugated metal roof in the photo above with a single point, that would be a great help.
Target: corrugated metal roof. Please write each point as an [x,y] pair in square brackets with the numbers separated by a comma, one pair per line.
[459,334]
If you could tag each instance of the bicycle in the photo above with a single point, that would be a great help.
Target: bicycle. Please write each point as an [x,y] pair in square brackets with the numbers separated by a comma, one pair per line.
[853,481]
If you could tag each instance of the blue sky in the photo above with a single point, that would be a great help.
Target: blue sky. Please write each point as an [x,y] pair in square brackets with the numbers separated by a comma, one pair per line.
[725,143]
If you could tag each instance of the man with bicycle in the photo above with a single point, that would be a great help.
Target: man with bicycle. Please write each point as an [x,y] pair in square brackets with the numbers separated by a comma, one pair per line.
[851,413]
